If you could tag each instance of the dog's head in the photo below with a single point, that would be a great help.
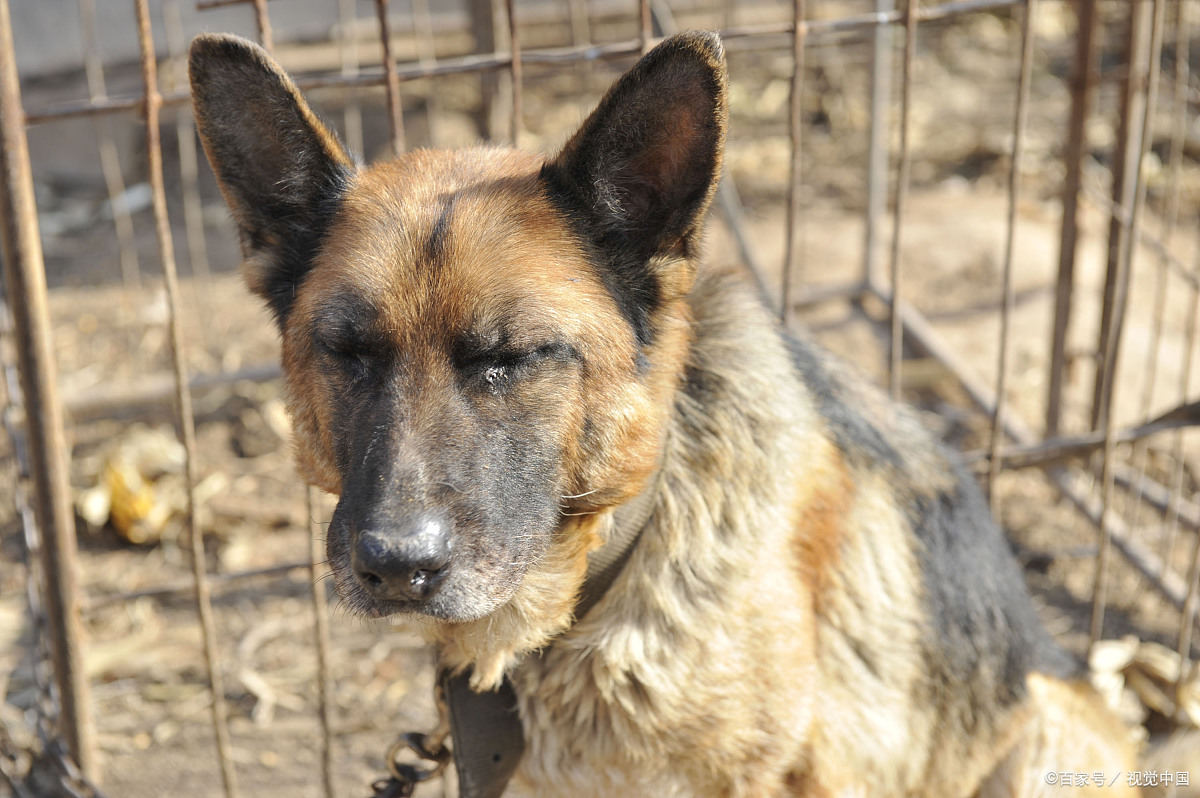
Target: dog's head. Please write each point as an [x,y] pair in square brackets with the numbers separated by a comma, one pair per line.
[478,344]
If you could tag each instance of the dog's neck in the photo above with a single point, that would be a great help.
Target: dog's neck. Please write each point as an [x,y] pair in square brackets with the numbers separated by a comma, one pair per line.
[541,609]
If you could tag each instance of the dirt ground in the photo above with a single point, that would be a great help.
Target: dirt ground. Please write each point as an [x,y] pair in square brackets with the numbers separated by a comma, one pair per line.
[143,653]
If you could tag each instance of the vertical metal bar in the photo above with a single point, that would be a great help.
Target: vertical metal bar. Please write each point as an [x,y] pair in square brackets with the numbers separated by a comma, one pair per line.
[189,162]
[352,116]
[897,328]
[110,161]
[1179,103]
[395,112]
[1193,596]
[1190,604]
[1081,81]
[321,632]
[645,33]
[1145,139]
[1014,187]
[1175,496]
[263,25]
[427,57]
[877,159]
[483,24]
[795,127]
[25,284]
[514,43]
[1162,273]
[581,35]
[1124,191]
[187,424]
[1113,339]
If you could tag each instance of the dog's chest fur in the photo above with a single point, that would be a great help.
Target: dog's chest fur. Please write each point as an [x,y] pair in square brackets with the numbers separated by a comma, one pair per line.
[695,616]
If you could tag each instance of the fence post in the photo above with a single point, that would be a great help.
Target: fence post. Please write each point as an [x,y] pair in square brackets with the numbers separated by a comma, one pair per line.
[1081,81]
[25,284]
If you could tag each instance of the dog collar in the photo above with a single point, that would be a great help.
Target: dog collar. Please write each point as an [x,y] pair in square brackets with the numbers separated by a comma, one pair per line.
[489,739]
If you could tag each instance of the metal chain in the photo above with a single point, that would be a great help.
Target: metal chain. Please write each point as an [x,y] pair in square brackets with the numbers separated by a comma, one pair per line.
[405,776]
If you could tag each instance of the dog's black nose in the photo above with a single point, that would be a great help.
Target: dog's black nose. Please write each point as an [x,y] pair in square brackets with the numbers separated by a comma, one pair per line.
[406,561]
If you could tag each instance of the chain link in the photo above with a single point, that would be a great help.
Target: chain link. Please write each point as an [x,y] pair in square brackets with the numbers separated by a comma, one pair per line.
[429,748]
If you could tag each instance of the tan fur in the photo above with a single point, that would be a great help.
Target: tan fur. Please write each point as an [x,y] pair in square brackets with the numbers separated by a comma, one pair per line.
[1070,732]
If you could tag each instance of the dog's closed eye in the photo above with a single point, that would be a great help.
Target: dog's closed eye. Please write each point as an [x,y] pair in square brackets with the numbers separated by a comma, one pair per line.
[500,366]
[358,358]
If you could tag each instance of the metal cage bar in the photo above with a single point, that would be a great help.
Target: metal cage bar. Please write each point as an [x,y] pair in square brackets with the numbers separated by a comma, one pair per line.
[110,162]
[548,55]
[791,256]
[391,79]
[514,67]
[1020,123]
[896,296]
[1110,336]
[320,606]
[25,282]
[1080,82]
[183,397]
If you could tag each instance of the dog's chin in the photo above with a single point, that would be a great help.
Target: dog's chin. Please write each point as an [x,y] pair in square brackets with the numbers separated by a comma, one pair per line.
[447,606]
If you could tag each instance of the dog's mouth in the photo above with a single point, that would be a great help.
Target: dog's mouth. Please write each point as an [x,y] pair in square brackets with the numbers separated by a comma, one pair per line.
[429,569]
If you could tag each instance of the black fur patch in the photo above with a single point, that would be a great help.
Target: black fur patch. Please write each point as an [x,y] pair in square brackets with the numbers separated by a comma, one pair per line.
[982,618]
[283,173]
[622,268]
[436,244]
[859,441]
[637,177]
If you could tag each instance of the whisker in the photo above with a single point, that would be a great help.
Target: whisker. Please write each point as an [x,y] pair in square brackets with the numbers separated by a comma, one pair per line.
[580,495]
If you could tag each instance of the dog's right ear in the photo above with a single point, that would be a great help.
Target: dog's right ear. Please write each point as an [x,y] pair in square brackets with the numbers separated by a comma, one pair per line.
[281,170]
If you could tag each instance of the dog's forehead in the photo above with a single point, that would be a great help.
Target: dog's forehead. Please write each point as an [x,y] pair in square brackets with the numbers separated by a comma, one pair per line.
[463,237]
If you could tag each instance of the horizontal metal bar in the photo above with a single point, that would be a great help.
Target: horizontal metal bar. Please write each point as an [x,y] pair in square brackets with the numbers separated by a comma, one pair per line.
[207,5]
[825,27]
[551,55]
[1055,450]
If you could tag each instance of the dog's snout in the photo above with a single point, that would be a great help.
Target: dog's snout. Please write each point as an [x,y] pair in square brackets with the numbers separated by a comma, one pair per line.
[405,561]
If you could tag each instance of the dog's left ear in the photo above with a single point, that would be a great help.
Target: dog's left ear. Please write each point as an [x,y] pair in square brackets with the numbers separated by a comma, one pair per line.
[644,166]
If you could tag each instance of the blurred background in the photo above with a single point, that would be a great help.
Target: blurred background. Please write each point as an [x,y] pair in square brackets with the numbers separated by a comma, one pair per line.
[1063,281]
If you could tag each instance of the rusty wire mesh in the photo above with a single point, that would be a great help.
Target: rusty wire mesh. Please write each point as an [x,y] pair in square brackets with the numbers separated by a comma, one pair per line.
[1124,163]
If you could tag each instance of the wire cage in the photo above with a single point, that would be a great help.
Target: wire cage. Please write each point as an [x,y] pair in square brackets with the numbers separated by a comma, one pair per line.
[984,203]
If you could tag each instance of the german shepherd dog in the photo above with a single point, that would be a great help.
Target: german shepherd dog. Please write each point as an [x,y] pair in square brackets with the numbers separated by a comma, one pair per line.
[488,353]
